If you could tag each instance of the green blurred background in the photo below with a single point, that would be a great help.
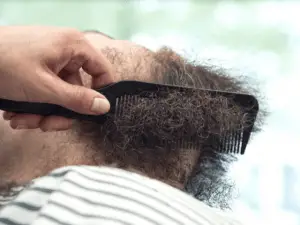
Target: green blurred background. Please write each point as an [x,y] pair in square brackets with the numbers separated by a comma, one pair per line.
[258,38]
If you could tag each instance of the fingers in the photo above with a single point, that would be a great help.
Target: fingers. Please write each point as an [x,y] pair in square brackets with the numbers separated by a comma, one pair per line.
[71,78]
[55,123]
[94,65]
[92,62]
[25,121]
[8,115]
[71,94]
[74,96]
[29,121]
[79,99]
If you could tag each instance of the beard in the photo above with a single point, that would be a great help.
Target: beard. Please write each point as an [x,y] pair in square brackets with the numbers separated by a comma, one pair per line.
[174,138]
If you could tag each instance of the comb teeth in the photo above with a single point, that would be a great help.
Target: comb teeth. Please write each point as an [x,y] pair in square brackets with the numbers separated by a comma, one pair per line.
[121,93]
[122,102]
[230,143]
[238,141]
[184,144]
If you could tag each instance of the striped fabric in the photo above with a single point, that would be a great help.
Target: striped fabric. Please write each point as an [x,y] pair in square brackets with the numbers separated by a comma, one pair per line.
[88,195]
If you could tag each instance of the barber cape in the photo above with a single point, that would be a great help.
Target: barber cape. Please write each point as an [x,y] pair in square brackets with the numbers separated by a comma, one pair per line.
[88,195]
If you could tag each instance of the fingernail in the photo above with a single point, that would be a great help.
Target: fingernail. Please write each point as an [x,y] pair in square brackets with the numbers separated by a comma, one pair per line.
[100,105]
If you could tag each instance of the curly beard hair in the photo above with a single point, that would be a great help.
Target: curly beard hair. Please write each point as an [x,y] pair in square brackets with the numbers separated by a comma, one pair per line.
[148,135]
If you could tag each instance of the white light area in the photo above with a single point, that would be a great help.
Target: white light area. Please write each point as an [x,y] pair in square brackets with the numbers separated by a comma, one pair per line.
[240,171]
[270,175]
[228,14]
[283,14]
[267,63]
[249,217]
[245,214]
[270,187]
[270,179]
[217,53]
[284,94]
[174,41]
[280,217]
[148,6]
[3,22]
[181,8]
[294,59]
[270,13]
[273,147]
[146,41]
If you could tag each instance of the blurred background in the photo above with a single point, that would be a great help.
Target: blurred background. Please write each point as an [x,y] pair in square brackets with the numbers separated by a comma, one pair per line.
[257,38]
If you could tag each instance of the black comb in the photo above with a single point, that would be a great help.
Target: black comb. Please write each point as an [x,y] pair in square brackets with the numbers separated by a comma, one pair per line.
[130,91]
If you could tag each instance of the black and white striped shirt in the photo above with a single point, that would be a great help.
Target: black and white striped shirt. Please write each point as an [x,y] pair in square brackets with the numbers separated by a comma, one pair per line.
[89,195]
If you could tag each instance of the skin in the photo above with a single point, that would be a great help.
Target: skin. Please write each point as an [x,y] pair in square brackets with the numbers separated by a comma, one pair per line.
[21,149]
[41,64]
[201,171]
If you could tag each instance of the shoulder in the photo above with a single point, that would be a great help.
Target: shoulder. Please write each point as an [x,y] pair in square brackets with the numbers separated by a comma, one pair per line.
[109,194]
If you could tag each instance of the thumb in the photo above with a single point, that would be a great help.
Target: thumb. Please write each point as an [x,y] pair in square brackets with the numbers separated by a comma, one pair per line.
[81,99]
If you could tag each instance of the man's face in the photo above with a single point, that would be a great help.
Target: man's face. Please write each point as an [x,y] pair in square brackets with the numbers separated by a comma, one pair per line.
[124,141]
[26,154]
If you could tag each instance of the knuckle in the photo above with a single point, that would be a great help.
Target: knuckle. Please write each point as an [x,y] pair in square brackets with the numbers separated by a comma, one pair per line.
[67,37]
[73,42]
[44,125]
[13,124]
[44,128]
[73,36]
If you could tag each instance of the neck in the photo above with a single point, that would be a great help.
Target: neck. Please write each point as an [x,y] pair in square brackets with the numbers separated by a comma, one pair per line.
[26,155]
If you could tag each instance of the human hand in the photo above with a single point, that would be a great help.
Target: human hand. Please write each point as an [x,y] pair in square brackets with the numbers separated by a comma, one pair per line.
[42,64]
